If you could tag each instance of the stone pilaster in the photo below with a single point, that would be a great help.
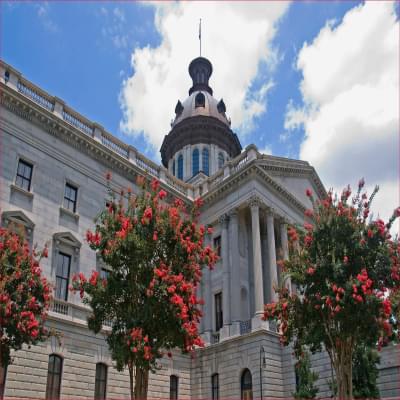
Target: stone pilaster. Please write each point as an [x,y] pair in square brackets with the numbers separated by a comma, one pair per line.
[235,271]
[257,263]
[273,273]
[226,290]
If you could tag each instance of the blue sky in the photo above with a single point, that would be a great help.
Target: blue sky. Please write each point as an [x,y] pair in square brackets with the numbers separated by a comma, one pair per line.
[298,79]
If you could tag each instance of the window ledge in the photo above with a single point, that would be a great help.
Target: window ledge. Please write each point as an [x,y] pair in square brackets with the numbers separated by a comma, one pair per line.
[69,213]
[20,190]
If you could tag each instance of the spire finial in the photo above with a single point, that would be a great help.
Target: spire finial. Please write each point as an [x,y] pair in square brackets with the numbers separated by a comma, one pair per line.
[200,35]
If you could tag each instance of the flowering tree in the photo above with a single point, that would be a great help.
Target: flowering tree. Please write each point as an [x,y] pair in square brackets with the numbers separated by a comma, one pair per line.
[344,267]
[24,294]
[156,253]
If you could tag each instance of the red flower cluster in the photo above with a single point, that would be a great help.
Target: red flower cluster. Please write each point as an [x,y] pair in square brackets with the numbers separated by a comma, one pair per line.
[25,294]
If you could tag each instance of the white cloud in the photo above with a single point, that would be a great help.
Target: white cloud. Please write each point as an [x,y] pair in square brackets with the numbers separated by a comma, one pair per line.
[266,150]
[350,90]
[236,37]
[43,14]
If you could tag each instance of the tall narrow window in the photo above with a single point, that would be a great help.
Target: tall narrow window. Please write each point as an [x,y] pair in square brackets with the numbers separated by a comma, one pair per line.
[62,276]
[24,175]
[221,160]
[246,386]
[3,374]
[217,245]
[215,387]
[54,373]
[173,387]
[173,168]
[195,162]
[219,321]
[100,386]
[180,167]
[70,195]
[206,168]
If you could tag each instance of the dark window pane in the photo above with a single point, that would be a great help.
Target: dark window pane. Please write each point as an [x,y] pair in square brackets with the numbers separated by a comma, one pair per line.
[206,168]
[215,387]
[173,387]
[195,162]
[218,311]
[246,386]
[101,382]
[24,175]
[217,245]
[54,377]
[70,193]
[180,167]
[220,160]
[62,276]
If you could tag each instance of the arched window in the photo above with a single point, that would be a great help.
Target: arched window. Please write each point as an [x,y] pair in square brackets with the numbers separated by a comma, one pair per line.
[173,387]
[206,168]
[100,386]
[246,386]
[200,100]
[54,373]
[215,387]
[173,168]
[195,162]
[180,167]
[221,160]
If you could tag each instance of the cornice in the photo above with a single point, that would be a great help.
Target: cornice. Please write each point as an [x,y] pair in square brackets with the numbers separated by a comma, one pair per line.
[30,111]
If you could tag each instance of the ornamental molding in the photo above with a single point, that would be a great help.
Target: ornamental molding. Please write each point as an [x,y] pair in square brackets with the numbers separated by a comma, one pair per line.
[255,202]
[224,220]
[44,119]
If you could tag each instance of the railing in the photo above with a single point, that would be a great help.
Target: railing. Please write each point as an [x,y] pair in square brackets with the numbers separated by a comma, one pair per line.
[36,95]
[147,165]
[112,144]
[77,122]
[215,338]
[176,184]
[60,307]
[245,327]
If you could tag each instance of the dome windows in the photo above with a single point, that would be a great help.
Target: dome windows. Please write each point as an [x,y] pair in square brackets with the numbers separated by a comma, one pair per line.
[221,160]
[180,166]
[221,107]
[205,158]
[195,162]
[200,100]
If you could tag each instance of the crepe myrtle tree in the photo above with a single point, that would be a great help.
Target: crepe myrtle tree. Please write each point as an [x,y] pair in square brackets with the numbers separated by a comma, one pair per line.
[24,294]
[344,266]
[155,252]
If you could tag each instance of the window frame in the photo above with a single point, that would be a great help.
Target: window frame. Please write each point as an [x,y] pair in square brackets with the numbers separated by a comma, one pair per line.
[70,200]
[50,387]
[60,277]
[100,393]
[173,387]
[23,177]
[218,311]
[221,160]
[205,158]
[195,161]
[246,389]
[215,386]
[217,246]
[180,167]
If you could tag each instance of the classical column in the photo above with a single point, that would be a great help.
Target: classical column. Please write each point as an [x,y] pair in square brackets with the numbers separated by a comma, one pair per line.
[226,292]
[257,263]
[235,266]
[273,275]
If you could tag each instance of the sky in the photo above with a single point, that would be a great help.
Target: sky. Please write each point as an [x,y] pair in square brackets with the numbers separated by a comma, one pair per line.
[317,81]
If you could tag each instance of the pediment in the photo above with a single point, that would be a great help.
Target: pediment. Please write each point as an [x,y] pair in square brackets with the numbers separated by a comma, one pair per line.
[67,238]
[17,217]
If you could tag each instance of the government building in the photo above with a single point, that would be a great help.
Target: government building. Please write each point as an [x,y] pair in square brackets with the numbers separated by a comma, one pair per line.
[53,167]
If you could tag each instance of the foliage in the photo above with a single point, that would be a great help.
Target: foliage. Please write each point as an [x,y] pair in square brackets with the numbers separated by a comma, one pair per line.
[343,267]
[156,253]
[305,378]
[365,373]
[24,294]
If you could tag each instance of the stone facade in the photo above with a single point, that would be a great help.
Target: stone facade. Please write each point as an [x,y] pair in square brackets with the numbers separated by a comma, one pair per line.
[248,201]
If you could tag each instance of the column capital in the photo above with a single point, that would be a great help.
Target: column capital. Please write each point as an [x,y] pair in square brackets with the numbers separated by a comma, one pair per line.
[224,220]
[254,202]
[233,213]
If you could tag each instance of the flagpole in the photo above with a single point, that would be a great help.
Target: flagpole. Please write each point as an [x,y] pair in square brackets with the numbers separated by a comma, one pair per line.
[200,35]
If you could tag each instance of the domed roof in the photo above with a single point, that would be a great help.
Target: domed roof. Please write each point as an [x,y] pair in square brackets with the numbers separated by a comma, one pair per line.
[200,103]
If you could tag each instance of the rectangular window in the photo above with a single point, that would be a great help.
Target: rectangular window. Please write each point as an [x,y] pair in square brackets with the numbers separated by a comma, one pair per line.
[54,373]
[173,387]
[24,175]
[218,311]
[100,386]
[215,387]
[70,195]
[62,276]
[217,245]
[104,273]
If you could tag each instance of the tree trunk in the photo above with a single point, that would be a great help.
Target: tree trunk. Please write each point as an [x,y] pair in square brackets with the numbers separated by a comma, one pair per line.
[141,383]
[343,370]
[131,388]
